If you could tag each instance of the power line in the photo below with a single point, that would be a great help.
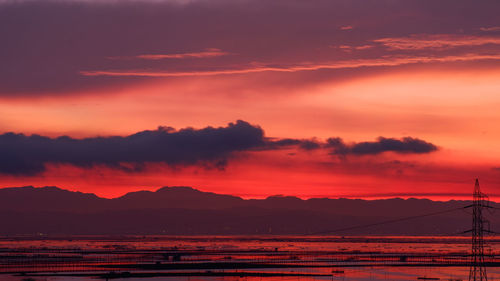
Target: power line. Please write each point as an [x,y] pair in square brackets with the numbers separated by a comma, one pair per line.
[387,221]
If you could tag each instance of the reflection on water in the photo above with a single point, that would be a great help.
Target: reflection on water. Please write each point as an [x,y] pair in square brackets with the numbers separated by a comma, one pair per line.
[239,258]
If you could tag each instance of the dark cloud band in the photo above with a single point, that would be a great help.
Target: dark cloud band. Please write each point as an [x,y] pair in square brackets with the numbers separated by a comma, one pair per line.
[27,155]
[337,146]
[405,145]
[212,147]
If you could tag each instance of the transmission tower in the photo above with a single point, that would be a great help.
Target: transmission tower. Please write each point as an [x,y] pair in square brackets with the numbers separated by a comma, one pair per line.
[477,268]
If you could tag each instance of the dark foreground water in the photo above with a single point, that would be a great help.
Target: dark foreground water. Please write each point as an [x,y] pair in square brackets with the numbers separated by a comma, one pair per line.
[241,258]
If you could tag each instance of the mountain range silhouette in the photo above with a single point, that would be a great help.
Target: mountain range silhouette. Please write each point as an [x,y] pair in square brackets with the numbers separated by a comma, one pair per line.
[187,211]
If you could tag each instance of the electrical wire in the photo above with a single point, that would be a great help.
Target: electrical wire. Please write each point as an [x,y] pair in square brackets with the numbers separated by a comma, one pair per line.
[386,221]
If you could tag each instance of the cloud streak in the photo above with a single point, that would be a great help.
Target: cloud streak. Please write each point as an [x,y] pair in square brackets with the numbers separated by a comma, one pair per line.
[163,39]
[435,41]
[208,53]
[389,61]
[489,29]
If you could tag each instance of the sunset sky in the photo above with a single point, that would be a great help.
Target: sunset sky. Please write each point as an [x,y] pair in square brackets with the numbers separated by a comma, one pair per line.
[338,98]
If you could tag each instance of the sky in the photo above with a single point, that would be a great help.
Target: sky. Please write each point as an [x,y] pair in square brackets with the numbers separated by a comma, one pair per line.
[342,98]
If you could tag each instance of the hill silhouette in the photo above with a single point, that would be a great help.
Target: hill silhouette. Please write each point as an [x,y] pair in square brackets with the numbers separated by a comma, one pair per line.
[187,211]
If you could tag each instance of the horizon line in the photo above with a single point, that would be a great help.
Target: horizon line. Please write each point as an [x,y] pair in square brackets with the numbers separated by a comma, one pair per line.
[243,196]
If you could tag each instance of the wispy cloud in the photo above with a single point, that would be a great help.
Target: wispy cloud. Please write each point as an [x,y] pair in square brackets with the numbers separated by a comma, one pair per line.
[491,28]
[347,27]
[435,41]
[208,53]
[388,61]
[348,48]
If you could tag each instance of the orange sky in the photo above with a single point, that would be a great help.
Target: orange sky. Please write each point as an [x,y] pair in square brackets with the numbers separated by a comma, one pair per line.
[437,83]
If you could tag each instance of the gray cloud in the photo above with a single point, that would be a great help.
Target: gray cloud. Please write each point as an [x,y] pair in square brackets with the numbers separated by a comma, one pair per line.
[208,147]
[404,145]
[337,146]
[27,155]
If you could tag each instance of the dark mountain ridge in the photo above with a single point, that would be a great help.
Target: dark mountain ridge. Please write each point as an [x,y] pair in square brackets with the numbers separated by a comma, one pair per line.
[187,211]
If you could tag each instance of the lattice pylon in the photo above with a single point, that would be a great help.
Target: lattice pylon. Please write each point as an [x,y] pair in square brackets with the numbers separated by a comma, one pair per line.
[477,267]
